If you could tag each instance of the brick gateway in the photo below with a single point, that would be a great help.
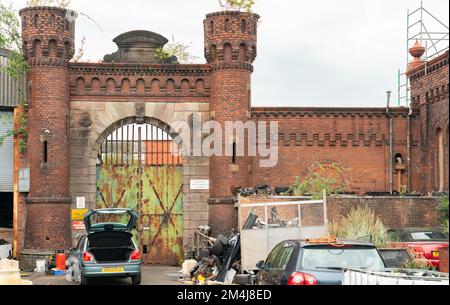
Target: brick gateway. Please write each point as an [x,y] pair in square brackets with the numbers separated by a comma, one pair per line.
[75,106]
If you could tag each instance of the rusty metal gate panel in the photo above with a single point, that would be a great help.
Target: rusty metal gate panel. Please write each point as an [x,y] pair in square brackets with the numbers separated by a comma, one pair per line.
[139,168]
[162,215]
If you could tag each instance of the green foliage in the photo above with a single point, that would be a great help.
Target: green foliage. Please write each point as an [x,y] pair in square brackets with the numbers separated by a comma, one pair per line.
[17,67]
[320,177]
[361,223]
[10,39]
[444,209]
[177,49]
[445,227]
[403,190]
[58,3]
[162,55]
[237,5]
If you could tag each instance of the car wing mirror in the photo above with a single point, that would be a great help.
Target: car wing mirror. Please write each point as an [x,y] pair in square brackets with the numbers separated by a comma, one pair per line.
[261,265]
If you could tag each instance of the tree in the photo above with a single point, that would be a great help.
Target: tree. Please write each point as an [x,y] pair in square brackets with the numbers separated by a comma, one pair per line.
[16,67]
[10,39]
[58,3]
[329,177]
[175,53]
[237,5]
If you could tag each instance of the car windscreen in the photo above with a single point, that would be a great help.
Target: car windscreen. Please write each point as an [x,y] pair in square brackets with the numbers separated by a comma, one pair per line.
[424,236]
[345,257]
[118,219]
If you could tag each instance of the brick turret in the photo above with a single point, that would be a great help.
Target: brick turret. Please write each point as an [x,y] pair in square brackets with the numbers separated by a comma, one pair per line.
[230,47]
[48,44]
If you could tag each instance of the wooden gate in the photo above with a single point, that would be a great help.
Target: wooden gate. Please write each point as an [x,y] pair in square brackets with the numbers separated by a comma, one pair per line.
[140,168]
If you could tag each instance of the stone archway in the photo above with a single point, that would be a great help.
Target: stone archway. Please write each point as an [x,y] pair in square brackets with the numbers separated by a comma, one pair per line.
[140,167]
[90,124]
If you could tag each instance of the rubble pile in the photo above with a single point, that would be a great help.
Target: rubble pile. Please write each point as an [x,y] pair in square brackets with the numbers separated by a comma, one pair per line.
[10,273]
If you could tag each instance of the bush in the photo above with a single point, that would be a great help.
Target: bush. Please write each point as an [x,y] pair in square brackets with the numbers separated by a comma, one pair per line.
[329,177]
[443,209]
[362,223]
[445,227]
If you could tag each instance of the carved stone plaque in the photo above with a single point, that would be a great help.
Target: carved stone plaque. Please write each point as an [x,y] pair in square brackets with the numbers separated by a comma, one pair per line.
[140,113]
[137,47]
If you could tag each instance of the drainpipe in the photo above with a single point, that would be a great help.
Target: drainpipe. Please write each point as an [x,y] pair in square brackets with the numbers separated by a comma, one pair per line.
[391,144]
[409,145]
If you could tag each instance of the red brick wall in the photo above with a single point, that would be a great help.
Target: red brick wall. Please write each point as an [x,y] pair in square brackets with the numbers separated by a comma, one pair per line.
[395,212]
[223,218]
[429,92]
[48,45]
[230,47]
[358,139]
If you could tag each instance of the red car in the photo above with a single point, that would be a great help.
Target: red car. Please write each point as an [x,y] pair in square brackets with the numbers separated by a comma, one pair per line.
[424,242]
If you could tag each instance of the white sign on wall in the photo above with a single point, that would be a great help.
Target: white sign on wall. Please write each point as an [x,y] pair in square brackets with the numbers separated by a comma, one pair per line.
[81,202]
[24,180]
[199,184]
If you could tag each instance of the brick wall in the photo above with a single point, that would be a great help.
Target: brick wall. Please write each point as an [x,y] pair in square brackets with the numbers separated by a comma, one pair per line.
[223,218]
[429,91]
[230,47]
[48,45]
[358,139]
[395,212]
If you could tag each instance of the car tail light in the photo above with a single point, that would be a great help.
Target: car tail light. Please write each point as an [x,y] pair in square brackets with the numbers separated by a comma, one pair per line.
[135,255]
[302,279]
[88,257]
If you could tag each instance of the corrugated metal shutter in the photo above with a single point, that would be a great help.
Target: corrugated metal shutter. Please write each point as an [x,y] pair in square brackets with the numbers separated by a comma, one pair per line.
[6,152]
[11,90]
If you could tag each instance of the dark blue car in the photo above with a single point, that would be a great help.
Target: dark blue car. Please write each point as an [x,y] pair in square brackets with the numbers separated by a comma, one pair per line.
[317,262]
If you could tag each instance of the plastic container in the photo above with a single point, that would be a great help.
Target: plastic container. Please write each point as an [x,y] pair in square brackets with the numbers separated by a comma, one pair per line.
[61,261]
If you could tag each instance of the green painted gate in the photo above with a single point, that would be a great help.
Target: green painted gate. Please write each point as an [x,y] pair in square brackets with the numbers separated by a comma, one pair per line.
[147,176]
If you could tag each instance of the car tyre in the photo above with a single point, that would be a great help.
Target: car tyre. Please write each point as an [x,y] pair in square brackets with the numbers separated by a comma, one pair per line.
[136,280]
[84,280]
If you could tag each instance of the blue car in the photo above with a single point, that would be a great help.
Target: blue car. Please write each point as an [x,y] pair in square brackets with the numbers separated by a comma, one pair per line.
[320,262]
[107,250]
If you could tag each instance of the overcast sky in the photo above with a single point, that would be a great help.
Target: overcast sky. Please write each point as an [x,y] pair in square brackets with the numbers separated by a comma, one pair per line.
[310,53]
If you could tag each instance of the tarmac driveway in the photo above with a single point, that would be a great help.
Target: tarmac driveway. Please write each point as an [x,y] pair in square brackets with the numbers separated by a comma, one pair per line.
[151,275]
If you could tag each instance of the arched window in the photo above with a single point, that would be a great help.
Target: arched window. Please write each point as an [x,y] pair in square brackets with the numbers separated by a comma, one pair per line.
[156,86]
[185,86]
[53,21]
[80,85]
[227,51]
[243,52]
[227,25]
[95,85]
[110,85]
[140,86]
[243,26]
[170,86]
[213,52]
[126,86]
[212,26]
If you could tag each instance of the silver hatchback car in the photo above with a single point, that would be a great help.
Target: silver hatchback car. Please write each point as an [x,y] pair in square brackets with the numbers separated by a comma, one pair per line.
[107,249]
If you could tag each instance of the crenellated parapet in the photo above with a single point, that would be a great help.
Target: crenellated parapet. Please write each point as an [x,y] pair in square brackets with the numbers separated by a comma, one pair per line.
[231,39]
[48,35]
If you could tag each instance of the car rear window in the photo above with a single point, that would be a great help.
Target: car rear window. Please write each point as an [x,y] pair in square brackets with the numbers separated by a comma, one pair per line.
[348,257]
[427,236]
[116,218]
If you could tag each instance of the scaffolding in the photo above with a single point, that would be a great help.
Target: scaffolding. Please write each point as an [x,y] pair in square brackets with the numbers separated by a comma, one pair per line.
[431,33]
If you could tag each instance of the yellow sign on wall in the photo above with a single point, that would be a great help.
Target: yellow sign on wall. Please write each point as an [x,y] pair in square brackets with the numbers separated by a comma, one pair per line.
[78,215]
